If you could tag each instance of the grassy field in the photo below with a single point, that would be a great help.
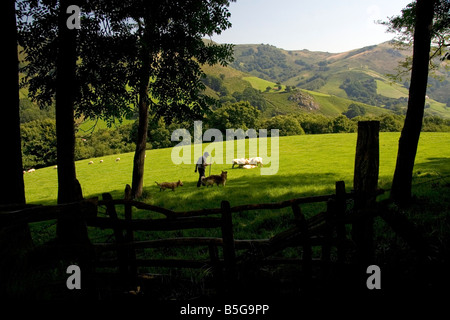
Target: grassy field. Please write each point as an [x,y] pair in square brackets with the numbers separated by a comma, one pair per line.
[261,84]
[309,164]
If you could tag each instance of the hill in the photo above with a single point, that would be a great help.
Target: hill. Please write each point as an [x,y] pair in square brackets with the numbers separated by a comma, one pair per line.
[359,75]
[230,85]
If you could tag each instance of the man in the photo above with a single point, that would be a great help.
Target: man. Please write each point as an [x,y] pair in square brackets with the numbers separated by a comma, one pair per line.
[200,167]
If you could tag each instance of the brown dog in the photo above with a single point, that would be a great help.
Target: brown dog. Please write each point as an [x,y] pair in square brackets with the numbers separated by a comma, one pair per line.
[169,185]
[217,179]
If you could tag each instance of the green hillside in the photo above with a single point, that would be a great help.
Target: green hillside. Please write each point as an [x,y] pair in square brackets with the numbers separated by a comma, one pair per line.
[359,75]
[308,165]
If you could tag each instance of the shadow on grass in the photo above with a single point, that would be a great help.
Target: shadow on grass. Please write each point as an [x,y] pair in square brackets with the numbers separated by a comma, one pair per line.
[243,190]
[439,165]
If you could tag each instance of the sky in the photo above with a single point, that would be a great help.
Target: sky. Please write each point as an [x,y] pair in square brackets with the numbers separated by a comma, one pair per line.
[317,25]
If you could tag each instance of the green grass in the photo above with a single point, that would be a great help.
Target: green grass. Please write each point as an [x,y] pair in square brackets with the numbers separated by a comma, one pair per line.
[391,90]
[309,164]
[261,84]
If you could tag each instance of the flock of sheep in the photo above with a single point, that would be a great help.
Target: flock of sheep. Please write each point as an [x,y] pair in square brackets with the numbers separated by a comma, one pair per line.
[242,163]
[101,161]
[248,163]
[56,167]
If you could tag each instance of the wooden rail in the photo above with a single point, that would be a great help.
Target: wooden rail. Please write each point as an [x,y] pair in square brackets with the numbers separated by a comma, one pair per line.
[318,230]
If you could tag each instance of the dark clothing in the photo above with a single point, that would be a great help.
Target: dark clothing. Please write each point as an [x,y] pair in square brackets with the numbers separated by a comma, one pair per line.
[200,167]
[201,173]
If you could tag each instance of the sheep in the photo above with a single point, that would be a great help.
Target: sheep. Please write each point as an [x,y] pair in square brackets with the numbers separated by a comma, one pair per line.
[118,159]
[31,170]
[55,167]
[252,161]
[101,161]
[240,162]
[91,162]
[256,161]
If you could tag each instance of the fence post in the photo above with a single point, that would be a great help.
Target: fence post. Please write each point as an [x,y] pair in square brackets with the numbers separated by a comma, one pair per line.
[302,224]
[229,253]
[129,236]
[118,234]
[365,183]
[328,238]
[340,207]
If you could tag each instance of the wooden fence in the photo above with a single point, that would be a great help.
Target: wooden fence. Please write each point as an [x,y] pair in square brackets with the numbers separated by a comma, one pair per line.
[325,229]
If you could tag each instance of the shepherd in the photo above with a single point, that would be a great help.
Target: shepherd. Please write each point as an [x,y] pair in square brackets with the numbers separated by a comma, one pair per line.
[200,167]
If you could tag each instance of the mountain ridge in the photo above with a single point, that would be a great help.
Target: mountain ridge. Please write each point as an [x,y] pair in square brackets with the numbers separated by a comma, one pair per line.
[360,75]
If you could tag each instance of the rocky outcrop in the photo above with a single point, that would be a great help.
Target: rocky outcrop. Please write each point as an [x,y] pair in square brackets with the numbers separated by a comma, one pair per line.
[304,101]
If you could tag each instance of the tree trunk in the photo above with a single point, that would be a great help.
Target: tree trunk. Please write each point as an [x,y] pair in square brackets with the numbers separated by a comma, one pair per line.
[139,155]
[409,139]
[69,189]
[12,186]
[12,190]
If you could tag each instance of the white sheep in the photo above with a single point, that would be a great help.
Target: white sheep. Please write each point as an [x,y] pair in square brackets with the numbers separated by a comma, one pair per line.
[240,162]
[91,162]
[118,159]
[31,170]
[256,161]
[101,161]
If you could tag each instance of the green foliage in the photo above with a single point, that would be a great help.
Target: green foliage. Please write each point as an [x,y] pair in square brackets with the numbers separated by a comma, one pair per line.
[265,61]
[253,96]
[391,123]
[315,123]
[288,126]
[435,124]
[101,70]
[240,115]
[342,124]
[30,111]
[215,83]
[104,142]
[355,110]
[403,26]
[158,133]
[38,143]
[361,90]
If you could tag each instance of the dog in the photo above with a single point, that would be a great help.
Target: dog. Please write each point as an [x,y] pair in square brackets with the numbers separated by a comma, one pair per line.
[169,185]
[217,179]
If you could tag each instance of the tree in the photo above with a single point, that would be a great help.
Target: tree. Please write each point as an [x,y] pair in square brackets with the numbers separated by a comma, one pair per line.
[253,96]
[288,126]
[12,189]
[166,72]
[79,72]
[342,124]
[240,115]
[404,26]
[354,110]
[409,139]
[39,143]
[12,186]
